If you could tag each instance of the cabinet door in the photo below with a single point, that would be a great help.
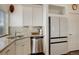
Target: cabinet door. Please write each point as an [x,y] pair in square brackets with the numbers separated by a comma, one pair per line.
[63,26]
[27,15]
[59,48]
[37,16]
[23,47]
[27,46]
[54,26]
[19,47]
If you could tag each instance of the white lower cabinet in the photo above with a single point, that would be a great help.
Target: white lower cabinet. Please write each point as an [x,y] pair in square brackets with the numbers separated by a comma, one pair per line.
[59,48]
[19,47]
[23,47]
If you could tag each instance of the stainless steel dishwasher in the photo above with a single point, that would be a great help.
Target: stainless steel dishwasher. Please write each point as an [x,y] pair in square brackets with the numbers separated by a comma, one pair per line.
[37,45]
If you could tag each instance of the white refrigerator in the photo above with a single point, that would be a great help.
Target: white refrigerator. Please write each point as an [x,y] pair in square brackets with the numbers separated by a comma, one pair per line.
[58,30]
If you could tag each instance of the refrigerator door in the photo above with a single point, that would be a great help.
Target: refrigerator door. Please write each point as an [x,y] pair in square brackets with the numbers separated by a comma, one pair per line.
[63,26]
[54,26]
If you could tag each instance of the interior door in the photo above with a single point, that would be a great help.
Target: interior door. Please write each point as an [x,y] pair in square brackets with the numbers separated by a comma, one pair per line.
[54,30]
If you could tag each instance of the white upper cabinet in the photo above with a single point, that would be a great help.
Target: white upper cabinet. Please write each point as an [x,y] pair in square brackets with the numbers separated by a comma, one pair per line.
[27,15]
[37,16]
[32,15]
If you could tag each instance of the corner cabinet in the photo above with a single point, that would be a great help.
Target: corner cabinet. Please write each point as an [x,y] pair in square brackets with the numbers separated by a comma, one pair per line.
[32,15]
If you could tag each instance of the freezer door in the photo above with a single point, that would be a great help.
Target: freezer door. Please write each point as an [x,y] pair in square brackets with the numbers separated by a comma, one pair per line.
[54,26]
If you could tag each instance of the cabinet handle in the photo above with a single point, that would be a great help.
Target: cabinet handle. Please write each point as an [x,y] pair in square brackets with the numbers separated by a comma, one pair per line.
[22,45]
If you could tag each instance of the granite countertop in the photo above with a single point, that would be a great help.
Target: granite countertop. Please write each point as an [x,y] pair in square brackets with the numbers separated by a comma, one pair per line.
[16,39]
[11,42]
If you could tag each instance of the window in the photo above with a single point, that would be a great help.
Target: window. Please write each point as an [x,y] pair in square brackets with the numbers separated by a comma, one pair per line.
[2,23]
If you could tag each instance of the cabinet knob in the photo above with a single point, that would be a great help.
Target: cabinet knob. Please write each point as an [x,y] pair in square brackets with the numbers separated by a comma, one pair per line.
[22,45]
[70,34]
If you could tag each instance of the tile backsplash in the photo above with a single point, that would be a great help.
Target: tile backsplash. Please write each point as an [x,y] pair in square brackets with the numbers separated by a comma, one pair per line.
[37,29]
[26,31]
[20,31]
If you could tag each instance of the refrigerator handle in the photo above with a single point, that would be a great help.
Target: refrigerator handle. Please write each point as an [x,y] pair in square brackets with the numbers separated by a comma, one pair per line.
[49,26]
[49,22]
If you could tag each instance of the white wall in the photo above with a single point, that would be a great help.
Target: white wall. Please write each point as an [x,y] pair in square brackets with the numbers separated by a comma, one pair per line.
[73,22]
[73,31]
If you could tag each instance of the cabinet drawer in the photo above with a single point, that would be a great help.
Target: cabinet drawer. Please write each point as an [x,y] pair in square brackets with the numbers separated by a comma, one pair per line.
[59,48]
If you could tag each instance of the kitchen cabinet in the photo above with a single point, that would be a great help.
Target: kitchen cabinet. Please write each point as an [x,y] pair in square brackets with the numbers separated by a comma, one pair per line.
[59,48]
[10,50]
[27,46]
[19,47]
[37,16]
[27,16]
[32,15]
[23,46]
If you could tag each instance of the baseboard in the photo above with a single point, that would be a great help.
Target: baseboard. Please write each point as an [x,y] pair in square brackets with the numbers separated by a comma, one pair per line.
[70,52]
[40,53]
